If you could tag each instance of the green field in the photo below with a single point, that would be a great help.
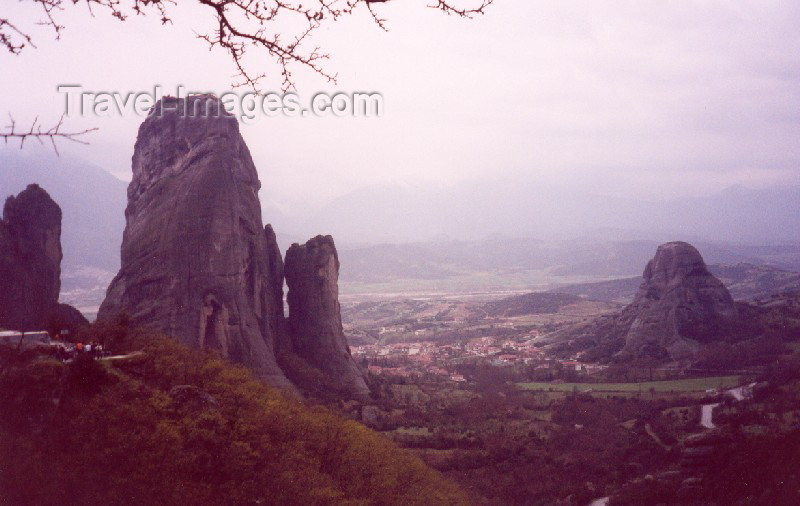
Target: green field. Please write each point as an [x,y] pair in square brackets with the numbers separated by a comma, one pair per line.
[468,282]
[683,385]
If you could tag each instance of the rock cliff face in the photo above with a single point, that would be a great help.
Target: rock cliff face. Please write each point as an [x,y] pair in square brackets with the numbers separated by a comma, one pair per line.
[197,262]
[30,264]
[679,306]
[315,323]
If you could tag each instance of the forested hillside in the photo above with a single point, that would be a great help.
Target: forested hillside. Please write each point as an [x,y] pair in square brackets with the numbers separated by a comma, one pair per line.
[176,426]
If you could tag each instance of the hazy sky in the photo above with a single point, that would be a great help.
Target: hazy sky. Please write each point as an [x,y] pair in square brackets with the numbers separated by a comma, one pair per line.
[658,98]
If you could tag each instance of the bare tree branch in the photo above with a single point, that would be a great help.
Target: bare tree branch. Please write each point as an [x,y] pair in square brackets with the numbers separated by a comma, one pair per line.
[36,132]
[279,28]
[8,35]
[379,21]
[240,25]
[448,8]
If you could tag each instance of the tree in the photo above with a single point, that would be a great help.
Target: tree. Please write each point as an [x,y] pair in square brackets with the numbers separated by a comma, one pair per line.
[36,130]
[240,25]
[124,435]
[280,29]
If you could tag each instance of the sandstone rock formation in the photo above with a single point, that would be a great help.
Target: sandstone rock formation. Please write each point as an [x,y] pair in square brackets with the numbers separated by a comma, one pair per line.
[30,264]
[315,323]
[679,307]
[197,262]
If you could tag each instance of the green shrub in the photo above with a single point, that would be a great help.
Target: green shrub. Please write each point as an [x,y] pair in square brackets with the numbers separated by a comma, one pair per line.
[126,440]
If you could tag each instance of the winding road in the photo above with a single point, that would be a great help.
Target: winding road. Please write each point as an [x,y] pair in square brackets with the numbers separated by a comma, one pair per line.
[706,417]
[739,393]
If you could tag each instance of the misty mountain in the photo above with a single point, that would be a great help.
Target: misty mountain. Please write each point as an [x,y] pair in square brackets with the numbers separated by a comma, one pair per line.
[471,210]
[559,259]
[443,232]
[92,202]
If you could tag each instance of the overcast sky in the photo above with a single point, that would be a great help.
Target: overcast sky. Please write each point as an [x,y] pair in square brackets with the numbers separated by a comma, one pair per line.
[648,97]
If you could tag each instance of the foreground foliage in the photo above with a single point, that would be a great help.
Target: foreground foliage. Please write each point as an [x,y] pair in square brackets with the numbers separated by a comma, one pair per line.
[636,444]
[176,426]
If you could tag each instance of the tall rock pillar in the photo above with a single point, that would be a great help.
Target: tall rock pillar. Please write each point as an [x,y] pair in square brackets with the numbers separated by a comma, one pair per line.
[196,262]
[315,322]
[30,265]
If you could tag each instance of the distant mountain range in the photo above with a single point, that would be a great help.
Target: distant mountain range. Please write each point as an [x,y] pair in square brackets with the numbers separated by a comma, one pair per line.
[473,210]
[93,206]
[398,232]
[92,202]
[558,259]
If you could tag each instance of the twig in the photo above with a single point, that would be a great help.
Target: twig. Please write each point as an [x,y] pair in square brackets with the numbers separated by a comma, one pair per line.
[36,132]
[241,25]
[447,8]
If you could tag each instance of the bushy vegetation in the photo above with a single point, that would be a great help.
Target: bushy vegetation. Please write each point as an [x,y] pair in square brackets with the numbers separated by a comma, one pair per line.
[753,459]
[506,445]
[754,470]
[530,303]
[177,426]
[558,445]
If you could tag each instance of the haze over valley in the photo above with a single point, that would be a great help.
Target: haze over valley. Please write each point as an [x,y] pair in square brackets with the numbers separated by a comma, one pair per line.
[470,238]
[475,252]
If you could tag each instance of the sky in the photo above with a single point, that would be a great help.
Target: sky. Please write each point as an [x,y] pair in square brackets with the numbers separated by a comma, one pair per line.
[648,98]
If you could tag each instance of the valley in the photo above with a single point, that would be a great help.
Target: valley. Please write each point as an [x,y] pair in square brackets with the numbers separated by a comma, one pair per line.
[522,386]
[474,386]
[386,253]
[440,337]
[476,396]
